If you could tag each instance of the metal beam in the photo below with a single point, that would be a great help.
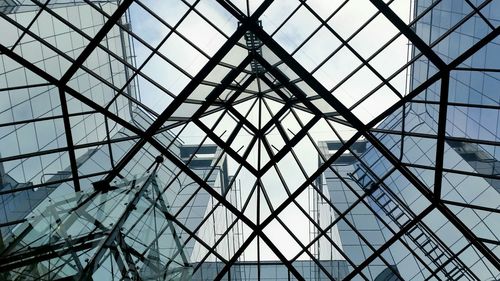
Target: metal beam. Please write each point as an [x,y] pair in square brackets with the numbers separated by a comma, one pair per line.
[94,43]
[178,101]
[441,134]
[409,33]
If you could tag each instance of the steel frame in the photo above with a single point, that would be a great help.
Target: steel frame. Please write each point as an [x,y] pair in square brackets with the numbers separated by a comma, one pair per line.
[298,101]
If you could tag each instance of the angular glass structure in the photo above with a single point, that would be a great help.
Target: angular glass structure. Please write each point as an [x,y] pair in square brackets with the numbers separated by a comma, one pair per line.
[249,140]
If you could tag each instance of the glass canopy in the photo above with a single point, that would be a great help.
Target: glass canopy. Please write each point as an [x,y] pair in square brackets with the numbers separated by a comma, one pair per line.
[249,140]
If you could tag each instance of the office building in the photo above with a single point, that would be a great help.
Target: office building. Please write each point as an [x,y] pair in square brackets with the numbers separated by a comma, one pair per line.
[249,140]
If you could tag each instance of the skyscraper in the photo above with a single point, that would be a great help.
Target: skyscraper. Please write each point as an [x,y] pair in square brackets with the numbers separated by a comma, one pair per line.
[38,181]
[249,140]
[442,139]
[37,154]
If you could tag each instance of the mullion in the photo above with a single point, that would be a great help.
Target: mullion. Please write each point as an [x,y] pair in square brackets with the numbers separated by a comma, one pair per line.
[192,157]
[283,79]
[257,232]
[297,240]
[232,9]
[478,11]
[414,59]
[275,119]
[344,42]
[410,34]
[242,121]
[228,107]
[183,95]
[459,104]
[68,58]
[93,262]
[154,50]
[432,136]
[322,23]
[192,7]
[280,129]
[266,195]
[236,256]
[14,88]
[436,203]
[192,234]
[287,18]
[212,249]
[392,240]
[216,206]
[164,206]
[289,146]
[173,28]
[301,96]
[379,51]
[407,208]
[455,256]
[461,58]
[202,183]
[65,149]
[476,69]
[363,60]
[92,45]
[362,197]
[137,71]
[48,118]
[30,24]
[273,88]
[471,206]
[323,232]
[360,126]
[260,10]
[292,152]
[295,194]
[231,152]
[311,178]
[459,23]
[351,225]
[448,170]
[47,185]
[304,248]
[280,256]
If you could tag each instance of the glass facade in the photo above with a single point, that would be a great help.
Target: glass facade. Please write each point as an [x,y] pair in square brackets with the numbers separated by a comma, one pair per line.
[35,148]
[249,140]
[467,185]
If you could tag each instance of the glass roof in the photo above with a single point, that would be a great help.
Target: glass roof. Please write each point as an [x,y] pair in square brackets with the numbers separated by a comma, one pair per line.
[249,140]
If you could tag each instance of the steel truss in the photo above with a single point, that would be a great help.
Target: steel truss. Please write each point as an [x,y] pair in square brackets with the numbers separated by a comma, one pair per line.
[274,85]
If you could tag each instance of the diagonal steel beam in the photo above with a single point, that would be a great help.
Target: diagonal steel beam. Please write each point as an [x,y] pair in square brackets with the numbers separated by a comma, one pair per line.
[441,134]
[231,152]
[69,140]
[94,43]
[356,123]
[420,186]
[295,66]
[422,87]
[389,242]
[130,127]
[410,34]
[178,101]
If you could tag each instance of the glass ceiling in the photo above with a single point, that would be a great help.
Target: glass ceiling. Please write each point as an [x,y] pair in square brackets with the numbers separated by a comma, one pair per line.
[217,139]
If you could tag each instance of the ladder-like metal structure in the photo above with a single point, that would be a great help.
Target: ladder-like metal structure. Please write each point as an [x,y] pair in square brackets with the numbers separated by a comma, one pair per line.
[426,241]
